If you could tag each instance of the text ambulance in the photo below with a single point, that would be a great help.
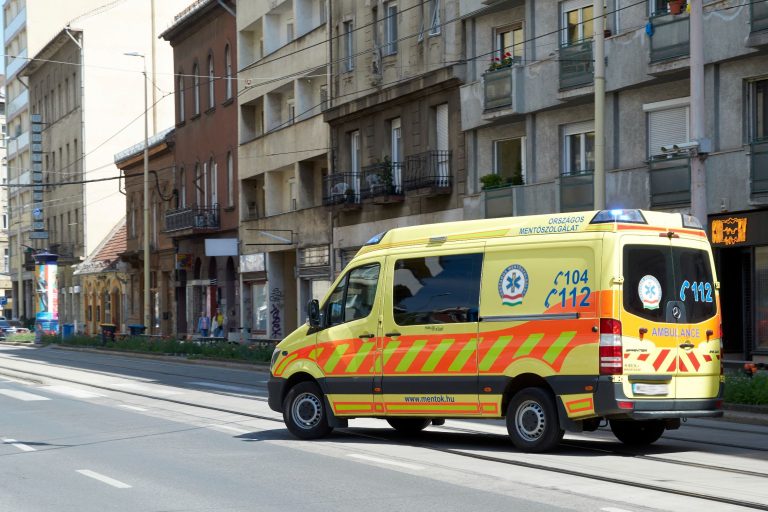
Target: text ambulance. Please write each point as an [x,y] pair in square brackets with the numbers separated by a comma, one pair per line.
[555,322]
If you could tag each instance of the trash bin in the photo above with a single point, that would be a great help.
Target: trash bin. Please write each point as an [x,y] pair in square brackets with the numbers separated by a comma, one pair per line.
[67,331]
[136,329]
[108,332]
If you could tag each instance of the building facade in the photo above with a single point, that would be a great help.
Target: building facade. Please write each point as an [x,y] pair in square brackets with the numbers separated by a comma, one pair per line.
[285,231]
[203,222]
[6,288]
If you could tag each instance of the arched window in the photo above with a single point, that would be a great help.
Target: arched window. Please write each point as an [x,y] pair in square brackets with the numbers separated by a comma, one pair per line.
[107,307]
[230,180]
[182,188]
[180,96]
[214,169]
[211,98]
[228,72]
[196,79]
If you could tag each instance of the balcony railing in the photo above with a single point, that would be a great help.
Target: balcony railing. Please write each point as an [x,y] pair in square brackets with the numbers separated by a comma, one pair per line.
[671,36]
[670,181]
[576,65]
[577,191]
[759,16]
[192,217]
[759,166]
[500,86]
[64,250]
[341,188]
[382,180]
[429,169]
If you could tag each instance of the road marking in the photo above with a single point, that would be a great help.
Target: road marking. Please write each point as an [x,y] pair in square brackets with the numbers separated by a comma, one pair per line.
[614,509]
[73,392]
[103,479]
[146,389]
[223,386]
[133,408]
[22,395]
[384,461]
[231,429]
[21,446]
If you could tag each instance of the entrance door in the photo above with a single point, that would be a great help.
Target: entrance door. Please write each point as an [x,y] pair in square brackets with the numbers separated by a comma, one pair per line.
[429,344]
[347,345]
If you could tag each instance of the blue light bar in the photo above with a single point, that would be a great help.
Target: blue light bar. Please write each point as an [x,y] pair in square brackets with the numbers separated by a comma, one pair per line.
[376,239]
[629,216]
[689,221]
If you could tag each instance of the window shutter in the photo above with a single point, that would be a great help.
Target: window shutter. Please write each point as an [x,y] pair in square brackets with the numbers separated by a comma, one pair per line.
[667,127]
[441,119]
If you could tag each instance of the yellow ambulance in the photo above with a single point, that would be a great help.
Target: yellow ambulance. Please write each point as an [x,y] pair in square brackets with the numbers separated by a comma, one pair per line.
[555,322]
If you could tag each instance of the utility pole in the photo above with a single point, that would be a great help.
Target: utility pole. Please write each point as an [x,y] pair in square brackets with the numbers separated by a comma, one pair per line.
[599,71]
[698,170]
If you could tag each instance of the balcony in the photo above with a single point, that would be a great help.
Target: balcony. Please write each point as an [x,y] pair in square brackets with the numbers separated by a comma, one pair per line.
[503,88]
[429,170]
[17,144]
[16,64]
[66,251]
[17,103]
[577,191]
[670,181]
[15,24]
[576,65]
[383,183]
[193,218]
[759,166]
[671,36]
[342,189]
[759,16]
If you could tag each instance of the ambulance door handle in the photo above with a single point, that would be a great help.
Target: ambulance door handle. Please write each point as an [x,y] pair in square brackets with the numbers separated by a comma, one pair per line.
[687,344]
[392,334]
[643,330]
[366,336]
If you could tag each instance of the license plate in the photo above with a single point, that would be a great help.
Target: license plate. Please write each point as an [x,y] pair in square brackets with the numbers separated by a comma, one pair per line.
[650,389]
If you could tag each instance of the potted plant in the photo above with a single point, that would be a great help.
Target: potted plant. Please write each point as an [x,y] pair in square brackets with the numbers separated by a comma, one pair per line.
[491,181]
[676,6]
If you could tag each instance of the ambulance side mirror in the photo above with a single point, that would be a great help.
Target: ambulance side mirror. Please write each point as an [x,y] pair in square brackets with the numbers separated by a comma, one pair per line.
[313,313]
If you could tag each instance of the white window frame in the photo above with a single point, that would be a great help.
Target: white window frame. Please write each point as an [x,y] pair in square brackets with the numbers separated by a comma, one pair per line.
[570,6]
[753,109]
[498,45]
[522,156]
[572,130]
[435,25]
[230,179]
[349,45]
[211,78]
[354,160]
[659,106]
[390,28]
[182,188]
[228,64]
[196,82]
[182,113]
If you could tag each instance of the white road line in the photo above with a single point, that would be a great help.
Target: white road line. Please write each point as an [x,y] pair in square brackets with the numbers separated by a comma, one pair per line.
[133,408]
[21,446]
[73,392]
[384,461]
[146,389]
[231,429]
[223,386]
[614,509]
[103,479]
[22,395]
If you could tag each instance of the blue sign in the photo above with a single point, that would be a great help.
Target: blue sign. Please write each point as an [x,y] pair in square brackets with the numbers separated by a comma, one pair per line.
[3,301]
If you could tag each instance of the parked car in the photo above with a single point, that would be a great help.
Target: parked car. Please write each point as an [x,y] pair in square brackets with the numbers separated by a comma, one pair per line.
[18,326]
[6,328]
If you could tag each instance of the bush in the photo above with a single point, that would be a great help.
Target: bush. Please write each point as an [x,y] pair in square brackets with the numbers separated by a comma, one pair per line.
[742,389]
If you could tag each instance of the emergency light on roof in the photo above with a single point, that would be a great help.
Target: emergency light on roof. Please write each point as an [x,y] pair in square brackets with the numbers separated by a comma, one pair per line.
[630,216]
[376,238]
[689,221]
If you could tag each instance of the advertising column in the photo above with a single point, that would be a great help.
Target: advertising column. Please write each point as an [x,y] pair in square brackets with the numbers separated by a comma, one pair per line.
[46,294]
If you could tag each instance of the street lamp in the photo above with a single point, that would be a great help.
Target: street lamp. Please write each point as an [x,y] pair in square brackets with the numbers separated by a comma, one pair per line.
[146,194]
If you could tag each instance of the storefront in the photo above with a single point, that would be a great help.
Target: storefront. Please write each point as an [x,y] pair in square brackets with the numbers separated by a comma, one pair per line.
[740,243]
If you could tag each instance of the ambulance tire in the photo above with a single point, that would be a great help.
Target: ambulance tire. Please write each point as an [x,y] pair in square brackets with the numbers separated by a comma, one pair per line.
[637,433]
[532,421]
[409,426]
[304,411]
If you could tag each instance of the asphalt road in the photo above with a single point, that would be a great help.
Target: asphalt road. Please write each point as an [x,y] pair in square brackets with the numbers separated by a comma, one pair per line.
[82,432]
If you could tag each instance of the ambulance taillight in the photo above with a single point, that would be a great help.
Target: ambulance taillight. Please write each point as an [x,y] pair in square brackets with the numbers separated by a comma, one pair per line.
[611,356]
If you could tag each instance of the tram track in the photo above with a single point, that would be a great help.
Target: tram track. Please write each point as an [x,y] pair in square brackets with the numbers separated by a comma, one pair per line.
[454,451]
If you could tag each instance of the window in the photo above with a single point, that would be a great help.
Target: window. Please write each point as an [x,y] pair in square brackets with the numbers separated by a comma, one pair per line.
[214,168]
[182,188]
[579,148]
[349,48]
[509,160]
[437,289]
[107,307]
[668,123]
[577,21]
[230,180]
[289,32]
[180,96]
[228,71]
[759,110]
[5,260]
[354,161]
[291,105]
[198,186]
[204,184]
[657,7]
[390,28]
[354,296]
[443,153]
[508,43]
[211,79]
[196,81]
[434,18]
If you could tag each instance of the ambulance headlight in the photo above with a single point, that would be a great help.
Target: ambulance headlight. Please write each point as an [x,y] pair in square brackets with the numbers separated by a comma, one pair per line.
[275,355]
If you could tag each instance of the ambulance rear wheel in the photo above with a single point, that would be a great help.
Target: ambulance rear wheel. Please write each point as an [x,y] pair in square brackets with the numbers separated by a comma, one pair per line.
[304,411]
[409,426]
[637,433]
[532,421]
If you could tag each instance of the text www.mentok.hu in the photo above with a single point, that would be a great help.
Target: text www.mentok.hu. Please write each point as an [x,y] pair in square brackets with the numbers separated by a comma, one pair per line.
[430,399]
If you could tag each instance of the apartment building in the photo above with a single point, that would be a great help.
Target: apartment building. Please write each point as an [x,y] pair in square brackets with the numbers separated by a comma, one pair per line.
[6,288]
[528,120]
[203,221]
[283,161]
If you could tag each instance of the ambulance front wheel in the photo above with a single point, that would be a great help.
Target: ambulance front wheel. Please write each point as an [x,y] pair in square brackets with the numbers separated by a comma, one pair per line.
[637,433]
[304,411]
[532,420]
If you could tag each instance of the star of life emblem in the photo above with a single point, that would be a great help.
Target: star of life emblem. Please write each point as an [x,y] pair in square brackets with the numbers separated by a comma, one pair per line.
[649,290]
[513,285]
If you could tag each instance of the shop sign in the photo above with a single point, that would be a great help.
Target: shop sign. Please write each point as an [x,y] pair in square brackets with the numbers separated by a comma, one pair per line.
[183,261]
[252,262]
[730,231]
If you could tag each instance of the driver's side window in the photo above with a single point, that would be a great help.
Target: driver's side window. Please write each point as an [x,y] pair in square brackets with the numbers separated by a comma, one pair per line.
[354,296]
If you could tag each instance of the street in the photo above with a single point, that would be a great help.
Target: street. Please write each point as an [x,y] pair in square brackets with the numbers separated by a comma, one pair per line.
[81,431]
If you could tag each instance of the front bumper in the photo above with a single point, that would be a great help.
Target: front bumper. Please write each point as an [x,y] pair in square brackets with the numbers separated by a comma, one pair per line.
[276,388]
[609,394]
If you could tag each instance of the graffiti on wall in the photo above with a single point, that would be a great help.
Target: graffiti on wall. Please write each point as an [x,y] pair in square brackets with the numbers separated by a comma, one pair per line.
[276,312]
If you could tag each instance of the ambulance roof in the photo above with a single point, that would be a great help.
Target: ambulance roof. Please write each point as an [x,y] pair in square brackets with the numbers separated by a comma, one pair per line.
[550,224]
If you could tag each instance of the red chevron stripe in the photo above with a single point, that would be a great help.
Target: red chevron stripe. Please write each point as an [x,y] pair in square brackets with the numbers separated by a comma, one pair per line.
[694,361]
[660,359]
